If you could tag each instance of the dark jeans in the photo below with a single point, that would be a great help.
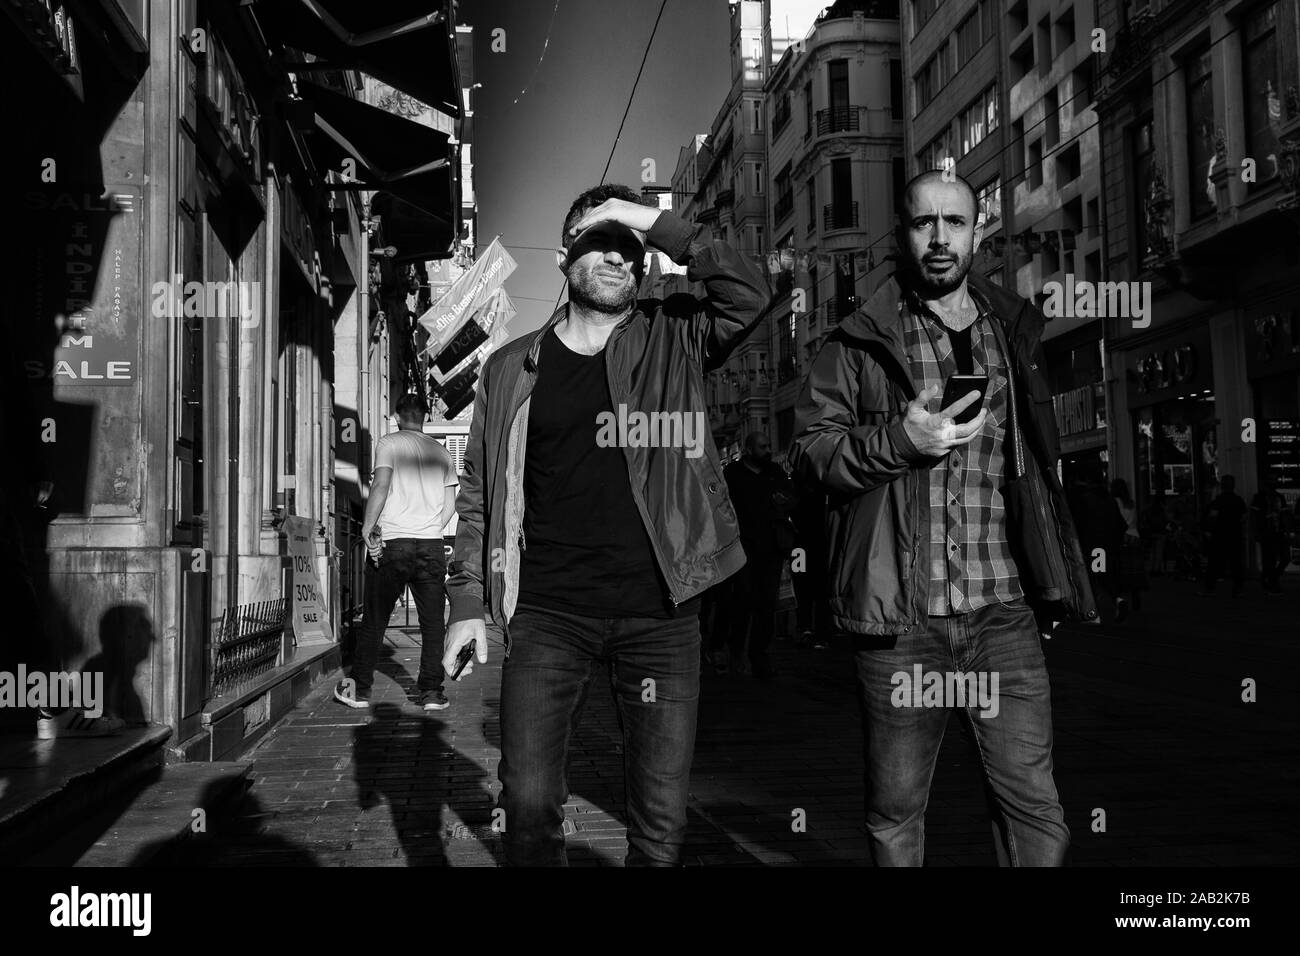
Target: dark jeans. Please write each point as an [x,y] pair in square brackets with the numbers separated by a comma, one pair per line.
[749,608]
[553,658]
[1224,555]
[901,742]
[418,563]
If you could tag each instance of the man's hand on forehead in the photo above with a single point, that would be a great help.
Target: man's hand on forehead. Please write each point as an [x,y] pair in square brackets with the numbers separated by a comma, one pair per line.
[634,216]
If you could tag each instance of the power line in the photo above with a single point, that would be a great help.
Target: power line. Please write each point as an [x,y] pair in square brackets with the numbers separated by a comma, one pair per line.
[627,109]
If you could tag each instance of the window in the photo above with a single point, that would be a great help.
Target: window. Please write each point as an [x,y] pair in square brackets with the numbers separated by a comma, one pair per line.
[988,18]
[1015,153]
[1200,133]
[781,114]
[896,89]
[922,11]
[1022,59]
[1263,92]
[843,208]
[1045,46]
[1034,165]
[1051,119]
[979,119]
[936,152]
[837,84]
[812,202]
[1017,18]
[1067,164]
[931,79]
[968,38]
[807,110]
[990,199]
[755,110]
[784,195]
[1065,31]
[1141,159]
[758,178]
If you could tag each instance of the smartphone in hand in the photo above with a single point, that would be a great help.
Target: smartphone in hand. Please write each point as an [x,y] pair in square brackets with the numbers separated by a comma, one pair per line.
[957,388]
[462,658]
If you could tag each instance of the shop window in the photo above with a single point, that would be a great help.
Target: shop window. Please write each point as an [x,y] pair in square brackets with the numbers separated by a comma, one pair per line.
[1262,88]
[1200,133]
[1141,161]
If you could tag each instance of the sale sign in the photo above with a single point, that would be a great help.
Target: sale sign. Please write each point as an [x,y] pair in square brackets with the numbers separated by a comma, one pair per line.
[308,617]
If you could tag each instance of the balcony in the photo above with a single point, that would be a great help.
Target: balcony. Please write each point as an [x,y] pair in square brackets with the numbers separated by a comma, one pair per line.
[840,216]
[839,119]
[784,206]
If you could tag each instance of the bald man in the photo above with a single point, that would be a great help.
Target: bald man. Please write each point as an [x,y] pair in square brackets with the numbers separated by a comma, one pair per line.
[945,569]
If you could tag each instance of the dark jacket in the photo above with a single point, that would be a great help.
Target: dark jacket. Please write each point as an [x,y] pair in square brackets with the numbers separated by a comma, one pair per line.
[655,361]
[850,441]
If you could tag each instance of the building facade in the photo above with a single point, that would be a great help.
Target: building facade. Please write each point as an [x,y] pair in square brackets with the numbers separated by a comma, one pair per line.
[1200,114]
[204,339]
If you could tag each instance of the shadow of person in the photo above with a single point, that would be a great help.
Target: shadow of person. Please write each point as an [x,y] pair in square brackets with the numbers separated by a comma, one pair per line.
[125,636]
[234,834]
[406,761]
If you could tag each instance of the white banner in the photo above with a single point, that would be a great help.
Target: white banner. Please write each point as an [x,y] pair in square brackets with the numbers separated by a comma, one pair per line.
[310,622]
[466,295]
[494,317]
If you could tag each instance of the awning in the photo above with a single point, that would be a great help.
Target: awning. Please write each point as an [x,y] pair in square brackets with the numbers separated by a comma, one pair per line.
[414,168]
[408,44]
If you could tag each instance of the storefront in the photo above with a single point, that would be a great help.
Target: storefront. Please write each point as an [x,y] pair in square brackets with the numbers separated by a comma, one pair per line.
[1170,384]
[1272,347]
[1075,373]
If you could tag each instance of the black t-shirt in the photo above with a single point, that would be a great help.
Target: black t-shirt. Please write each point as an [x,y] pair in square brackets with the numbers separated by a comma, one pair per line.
[962,351]
[586,548]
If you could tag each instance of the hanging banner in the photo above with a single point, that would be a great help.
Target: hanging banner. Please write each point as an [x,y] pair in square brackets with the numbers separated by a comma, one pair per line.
[308,618]
[466,295]
[494,314]
[477,357]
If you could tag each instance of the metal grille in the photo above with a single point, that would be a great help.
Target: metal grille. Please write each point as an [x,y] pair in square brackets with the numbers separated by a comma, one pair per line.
[246,643]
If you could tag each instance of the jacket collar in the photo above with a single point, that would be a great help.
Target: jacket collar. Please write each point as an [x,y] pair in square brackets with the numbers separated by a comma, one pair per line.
[534,350]
[530,359]
[878,319]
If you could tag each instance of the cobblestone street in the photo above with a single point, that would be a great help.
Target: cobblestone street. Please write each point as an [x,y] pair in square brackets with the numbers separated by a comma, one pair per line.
[1150,727]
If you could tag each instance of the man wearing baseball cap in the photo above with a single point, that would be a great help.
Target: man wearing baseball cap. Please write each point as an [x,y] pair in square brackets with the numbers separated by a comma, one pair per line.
[590,546]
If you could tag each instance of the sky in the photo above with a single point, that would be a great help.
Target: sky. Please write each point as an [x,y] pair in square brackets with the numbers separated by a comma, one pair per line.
[533,153]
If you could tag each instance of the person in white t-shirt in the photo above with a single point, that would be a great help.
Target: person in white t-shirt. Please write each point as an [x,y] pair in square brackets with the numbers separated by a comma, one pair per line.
[412,498]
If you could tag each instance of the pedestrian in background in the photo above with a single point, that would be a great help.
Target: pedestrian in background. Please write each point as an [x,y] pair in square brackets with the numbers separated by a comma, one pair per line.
[1130,579]
[1223,527]
[1271,519]
[412,498]
[763,498]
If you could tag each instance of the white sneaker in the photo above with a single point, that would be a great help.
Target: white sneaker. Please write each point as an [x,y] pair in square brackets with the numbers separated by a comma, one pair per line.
[345,692]
[74,723]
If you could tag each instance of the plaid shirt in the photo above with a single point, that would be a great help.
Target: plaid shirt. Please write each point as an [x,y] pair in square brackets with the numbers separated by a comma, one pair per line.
[971,565]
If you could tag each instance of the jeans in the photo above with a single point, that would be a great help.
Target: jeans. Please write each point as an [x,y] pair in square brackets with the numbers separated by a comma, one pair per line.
[418,563]
[901,740]
[544,684]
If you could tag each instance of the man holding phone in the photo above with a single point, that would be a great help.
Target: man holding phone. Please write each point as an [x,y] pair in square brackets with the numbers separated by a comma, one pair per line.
[951,547]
